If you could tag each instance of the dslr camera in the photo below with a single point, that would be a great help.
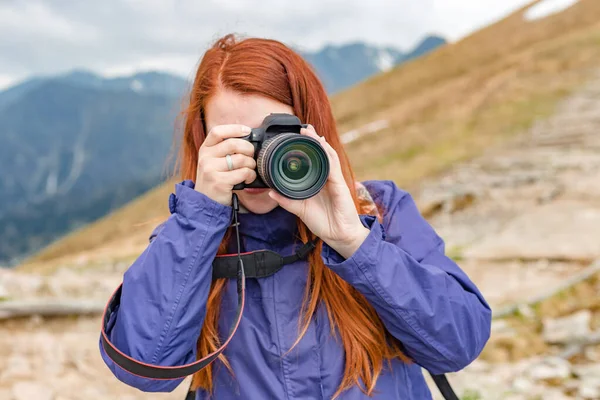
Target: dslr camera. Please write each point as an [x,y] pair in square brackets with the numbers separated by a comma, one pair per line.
[294,165]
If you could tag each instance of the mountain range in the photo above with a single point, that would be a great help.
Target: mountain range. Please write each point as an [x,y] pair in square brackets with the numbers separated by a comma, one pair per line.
[78,145]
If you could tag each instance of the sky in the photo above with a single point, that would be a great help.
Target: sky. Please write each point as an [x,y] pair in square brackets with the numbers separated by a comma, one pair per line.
[117,37]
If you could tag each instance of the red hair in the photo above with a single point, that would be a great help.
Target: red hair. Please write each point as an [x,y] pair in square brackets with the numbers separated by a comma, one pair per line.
[271,69]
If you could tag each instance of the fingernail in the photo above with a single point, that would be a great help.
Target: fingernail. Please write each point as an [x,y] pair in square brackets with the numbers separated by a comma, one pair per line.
[246,129]
[311,127]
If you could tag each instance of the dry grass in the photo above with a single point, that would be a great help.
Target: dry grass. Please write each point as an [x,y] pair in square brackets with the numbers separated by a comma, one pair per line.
[119,235]
[442,108]
[471,95]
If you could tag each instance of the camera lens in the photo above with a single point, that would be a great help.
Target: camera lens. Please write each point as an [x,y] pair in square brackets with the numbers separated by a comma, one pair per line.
[294,165]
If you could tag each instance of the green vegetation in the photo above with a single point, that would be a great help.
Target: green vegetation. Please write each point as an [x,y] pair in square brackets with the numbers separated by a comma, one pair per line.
[471,395]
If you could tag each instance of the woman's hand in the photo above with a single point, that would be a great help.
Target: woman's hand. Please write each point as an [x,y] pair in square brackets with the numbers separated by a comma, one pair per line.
[331,214]
[213,177]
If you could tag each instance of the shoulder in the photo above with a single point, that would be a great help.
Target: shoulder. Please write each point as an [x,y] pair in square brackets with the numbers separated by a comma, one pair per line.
[156,231]
[402,220]
[384,192]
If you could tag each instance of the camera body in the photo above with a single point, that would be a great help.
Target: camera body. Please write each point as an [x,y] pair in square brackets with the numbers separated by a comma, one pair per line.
[274,124]
[294,165]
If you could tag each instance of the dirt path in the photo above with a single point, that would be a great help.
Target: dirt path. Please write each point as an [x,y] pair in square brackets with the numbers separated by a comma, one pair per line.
[525,216]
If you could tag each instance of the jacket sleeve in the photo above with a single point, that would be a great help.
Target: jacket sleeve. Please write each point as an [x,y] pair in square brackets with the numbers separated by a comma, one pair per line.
[422,296]
[165,290]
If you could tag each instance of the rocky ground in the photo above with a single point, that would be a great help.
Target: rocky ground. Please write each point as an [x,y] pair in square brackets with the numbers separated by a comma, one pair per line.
[521,220]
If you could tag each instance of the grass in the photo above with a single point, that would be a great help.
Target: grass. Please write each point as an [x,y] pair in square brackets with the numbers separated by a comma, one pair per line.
[118,236]
[448,106]
[471,395]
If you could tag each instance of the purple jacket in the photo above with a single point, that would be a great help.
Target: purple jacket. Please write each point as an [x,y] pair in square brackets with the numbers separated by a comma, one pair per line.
[424,299]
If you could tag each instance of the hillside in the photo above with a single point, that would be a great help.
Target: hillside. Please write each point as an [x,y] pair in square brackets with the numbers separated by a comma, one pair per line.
[444,107]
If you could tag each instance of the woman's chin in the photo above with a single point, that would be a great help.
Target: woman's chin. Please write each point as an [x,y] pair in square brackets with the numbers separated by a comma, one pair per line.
[257,201]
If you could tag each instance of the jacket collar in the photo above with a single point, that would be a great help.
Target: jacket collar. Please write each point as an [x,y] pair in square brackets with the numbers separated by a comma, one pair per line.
[276,226]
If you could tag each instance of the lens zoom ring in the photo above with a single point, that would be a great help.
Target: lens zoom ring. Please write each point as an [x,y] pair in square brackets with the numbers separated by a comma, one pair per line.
[262,159]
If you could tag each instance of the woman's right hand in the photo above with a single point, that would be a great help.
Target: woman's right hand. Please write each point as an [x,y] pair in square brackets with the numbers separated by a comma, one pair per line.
[213,177]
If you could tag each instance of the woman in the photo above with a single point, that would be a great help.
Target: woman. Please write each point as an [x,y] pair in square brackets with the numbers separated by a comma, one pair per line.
[373,303]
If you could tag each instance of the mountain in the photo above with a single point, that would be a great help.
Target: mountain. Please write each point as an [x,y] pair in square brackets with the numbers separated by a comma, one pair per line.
[454,104]
[79,145]
[150,82]
[340,67]
[428,44]
[75,148]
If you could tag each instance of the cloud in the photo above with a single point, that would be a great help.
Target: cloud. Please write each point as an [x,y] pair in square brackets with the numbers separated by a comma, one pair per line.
[112,36]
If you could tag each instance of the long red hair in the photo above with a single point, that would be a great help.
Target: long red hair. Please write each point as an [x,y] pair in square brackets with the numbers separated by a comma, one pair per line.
[269,68]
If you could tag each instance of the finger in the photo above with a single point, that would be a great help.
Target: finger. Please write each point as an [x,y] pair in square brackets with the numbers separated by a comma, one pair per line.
[330,150]
[231,146]
[311,128]
[239,175]
[335,167]
[310,132]
[220,164]
[221,132]
[238,161]
[292,206]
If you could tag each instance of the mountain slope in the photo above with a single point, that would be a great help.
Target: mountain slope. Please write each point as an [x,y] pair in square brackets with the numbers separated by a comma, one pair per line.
[340,67]
[70,151]
[440,108]
[427,45]
[455,102]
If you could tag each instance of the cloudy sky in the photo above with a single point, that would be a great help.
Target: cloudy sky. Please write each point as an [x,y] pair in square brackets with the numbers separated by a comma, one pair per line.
[115,37]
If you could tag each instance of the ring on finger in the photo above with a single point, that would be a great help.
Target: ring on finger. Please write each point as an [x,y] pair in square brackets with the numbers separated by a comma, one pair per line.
[229,162]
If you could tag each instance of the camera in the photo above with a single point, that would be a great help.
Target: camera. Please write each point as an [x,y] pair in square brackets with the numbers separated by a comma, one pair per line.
[294,165]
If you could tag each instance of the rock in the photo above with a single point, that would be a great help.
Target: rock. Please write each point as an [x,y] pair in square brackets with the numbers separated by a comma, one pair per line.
[3,292]
[565,230]
[17,366]
[582,187]
[522,384]
[592,354]
[572,328]
[500,327]
[550,369]
[590,389]
[31,390]
[587,371]
[526,311]
[22,285]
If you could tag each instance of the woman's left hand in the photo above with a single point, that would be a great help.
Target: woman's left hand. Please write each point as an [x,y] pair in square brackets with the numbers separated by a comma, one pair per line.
[331,214]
